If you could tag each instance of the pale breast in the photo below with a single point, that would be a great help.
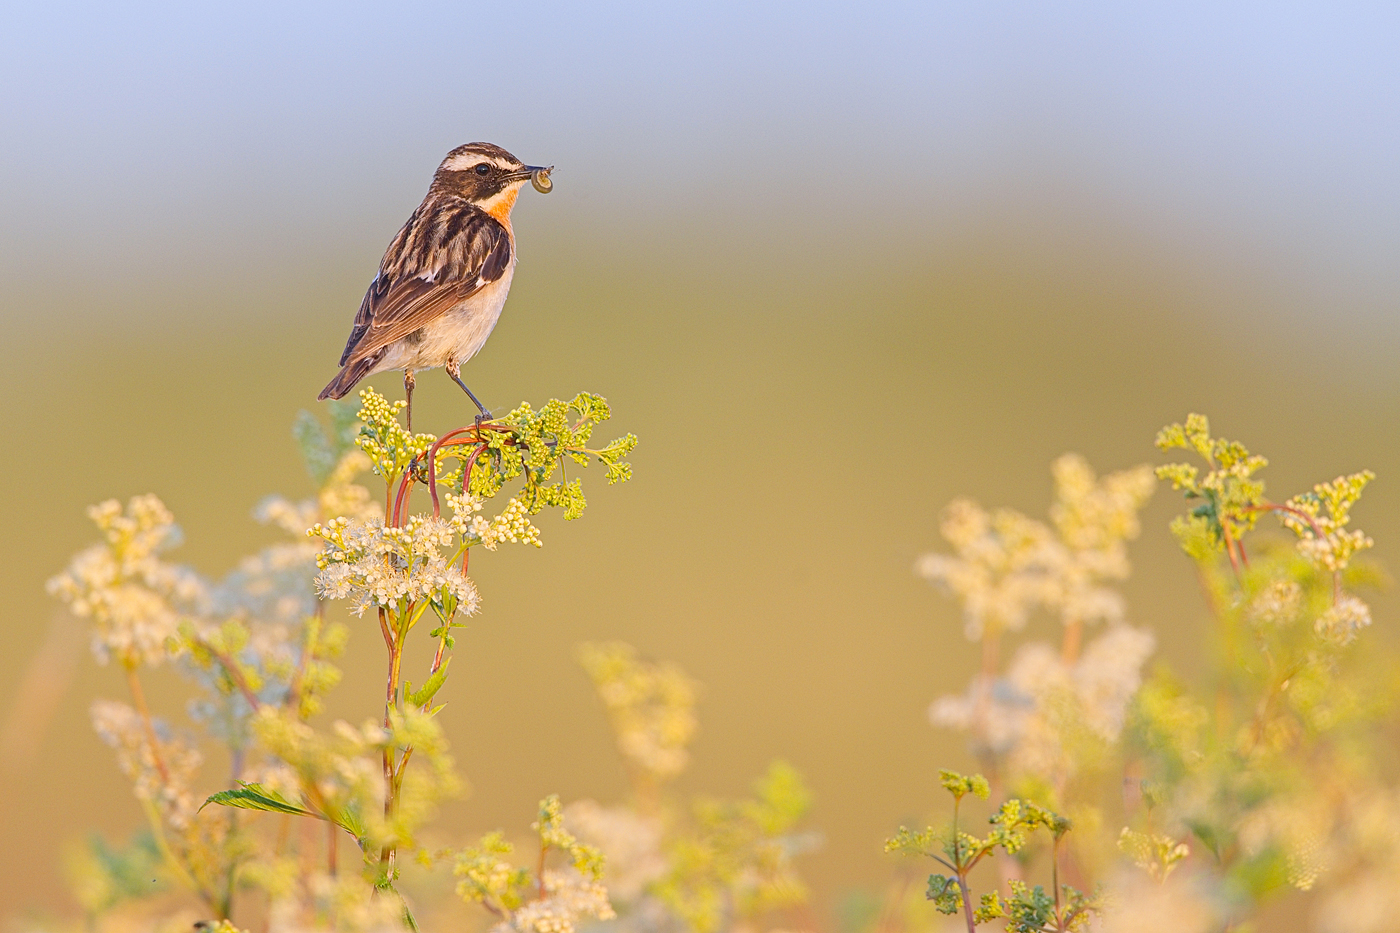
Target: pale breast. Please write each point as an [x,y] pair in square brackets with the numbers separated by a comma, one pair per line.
[457,335]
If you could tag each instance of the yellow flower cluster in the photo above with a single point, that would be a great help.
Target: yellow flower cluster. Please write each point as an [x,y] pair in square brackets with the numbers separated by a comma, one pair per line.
[561,898]
[1005,564]
[1329,508]
[133,598]
[652,707]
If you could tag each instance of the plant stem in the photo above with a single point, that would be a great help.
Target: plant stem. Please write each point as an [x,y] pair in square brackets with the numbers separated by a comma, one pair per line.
[234,674]
[967,904]
[138,696]
[391,694]
[960,870]
[1069,647]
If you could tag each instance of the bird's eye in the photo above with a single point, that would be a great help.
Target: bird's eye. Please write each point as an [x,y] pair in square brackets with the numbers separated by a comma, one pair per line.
[483,168]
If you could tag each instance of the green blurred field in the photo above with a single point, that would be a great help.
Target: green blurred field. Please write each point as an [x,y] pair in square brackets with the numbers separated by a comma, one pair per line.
[755,547]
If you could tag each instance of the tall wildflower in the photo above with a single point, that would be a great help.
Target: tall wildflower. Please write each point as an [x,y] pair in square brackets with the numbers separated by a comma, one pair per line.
[261,646]
[710,866]
[1053,710]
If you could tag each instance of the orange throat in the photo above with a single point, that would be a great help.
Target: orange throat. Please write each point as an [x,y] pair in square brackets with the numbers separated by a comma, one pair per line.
[501,208]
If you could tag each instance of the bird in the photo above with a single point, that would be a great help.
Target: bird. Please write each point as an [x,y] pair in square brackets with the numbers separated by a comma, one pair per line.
[444,279]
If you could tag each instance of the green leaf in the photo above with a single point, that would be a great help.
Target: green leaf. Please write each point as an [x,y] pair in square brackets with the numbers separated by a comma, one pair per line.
[424,694]
[349,820]
[256,797]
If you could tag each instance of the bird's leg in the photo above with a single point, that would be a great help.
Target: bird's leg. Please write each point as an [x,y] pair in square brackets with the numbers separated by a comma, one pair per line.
[408,394]
[454,370]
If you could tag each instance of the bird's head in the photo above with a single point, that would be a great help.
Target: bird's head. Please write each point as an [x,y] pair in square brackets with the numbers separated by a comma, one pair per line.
[489,177]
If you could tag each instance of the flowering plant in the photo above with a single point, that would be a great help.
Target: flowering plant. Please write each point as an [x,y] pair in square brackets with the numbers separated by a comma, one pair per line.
[261,646]
[1258,777]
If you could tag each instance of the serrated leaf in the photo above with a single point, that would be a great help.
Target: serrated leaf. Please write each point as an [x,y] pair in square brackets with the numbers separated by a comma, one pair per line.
[256,797]
[424,694]
[349,820]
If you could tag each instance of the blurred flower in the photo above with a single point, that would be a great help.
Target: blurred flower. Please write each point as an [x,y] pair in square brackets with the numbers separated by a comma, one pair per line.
[568,898]
[652,707]
[161,775]
[1006,564]
[1277,605]
[1181,903]
[1343,620]
[1002,568]
[630,842]
[133,598]
[1035,713]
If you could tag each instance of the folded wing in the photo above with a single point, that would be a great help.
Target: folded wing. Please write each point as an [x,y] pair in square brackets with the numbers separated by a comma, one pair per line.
[445,254]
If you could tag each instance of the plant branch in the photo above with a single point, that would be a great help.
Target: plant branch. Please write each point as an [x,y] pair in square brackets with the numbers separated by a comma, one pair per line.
[138,696]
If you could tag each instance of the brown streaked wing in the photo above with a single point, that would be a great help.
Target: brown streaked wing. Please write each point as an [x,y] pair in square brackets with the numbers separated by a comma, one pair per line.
[467,254]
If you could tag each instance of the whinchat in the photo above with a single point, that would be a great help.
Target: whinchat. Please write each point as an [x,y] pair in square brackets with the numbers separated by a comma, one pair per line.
[444,278]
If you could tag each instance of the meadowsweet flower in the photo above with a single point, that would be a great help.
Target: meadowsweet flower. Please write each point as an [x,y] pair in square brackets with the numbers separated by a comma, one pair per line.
[1034,714]
[372,564]
[464,510]
[1107,676]
[133,598]
[569,898]
[387,444]
[652,707]
[1277,605]
[513,525]
[1321,526]
[630,842]
[1341,623]
[1002,568]
[122,728]
[335,582]
[1006,564]
[993,710]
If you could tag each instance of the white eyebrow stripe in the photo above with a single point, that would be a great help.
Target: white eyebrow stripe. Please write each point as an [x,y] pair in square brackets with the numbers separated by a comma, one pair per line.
[468,160]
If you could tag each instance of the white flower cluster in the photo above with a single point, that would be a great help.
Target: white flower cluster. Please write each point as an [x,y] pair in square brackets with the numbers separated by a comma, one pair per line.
[121,727]
[133,598]
[1007,564]
[1276,606]
[1000,572]
[1033,712]
[630,842]
[569,897]
[1341,623]
[1334,550]
[992,709]
[379,566]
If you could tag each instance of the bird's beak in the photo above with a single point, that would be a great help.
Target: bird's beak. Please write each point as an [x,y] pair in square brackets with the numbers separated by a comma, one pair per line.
[538,175]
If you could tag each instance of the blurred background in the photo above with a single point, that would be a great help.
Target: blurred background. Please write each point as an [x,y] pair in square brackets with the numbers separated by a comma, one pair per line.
[980,234]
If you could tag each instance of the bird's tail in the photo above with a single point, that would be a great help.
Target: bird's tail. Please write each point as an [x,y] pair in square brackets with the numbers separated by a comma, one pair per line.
[349,374]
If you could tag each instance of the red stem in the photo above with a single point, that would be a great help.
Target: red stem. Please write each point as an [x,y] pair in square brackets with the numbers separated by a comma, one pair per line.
[1316,530]
[231,668]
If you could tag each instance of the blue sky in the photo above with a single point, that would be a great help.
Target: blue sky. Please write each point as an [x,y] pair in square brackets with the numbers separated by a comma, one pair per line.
[135,129]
